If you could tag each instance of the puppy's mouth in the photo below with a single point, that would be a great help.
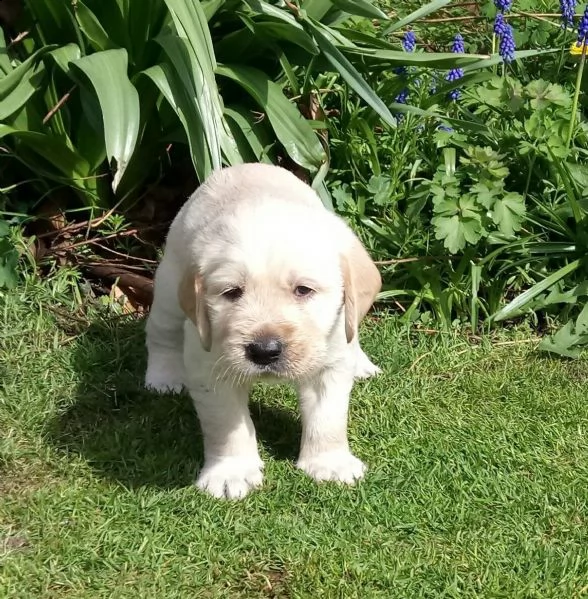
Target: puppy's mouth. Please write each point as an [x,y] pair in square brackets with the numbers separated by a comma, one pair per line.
[268,370]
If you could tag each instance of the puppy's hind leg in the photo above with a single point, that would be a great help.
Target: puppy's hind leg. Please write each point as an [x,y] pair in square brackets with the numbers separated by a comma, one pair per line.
[165,336]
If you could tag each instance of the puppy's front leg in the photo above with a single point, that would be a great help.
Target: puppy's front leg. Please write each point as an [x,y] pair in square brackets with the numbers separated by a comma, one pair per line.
[324,450]
[364,367]
[232,466]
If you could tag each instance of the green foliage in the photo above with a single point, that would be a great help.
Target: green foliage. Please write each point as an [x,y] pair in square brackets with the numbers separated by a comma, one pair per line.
[8,258]
[93,96]
[64,118]
[480,213]
[471,202]
[571,338]
[477,206]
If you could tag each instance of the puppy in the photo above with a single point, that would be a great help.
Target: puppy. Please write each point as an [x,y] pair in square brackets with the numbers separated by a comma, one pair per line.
[259,281]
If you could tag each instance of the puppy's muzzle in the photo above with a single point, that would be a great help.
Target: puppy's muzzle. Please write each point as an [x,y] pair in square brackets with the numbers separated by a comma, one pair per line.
[264,351]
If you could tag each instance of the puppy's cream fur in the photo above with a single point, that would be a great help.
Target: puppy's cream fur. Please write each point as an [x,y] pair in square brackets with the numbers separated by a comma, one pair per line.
[253,255]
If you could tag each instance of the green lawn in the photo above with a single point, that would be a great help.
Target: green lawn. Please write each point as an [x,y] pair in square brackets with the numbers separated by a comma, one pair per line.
[478,480]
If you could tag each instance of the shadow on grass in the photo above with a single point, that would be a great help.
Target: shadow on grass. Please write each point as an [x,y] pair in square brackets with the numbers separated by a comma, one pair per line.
[135,437]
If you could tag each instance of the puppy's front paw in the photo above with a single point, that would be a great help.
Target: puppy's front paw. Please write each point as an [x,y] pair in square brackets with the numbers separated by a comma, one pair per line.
[365,368]
[163,385]
[165,375]
[341,466]
[231,478]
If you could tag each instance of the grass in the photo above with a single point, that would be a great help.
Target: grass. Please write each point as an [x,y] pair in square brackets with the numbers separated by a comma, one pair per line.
[478,480]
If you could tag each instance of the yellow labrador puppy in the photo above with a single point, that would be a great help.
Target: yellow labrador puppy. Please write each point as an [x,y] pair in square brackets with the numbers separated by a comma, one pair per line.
[260,282]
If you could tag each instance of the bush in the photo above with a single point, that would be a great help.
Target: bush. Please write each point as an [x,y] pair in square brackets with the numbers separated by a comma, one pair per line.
[64,119]
[491,209]
[462,172]
[94,94]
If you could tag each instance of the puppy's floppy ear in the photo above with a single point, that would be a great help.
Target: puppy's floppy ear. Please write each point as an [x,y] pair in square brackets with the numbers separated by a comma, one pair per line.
[193,303]
[362,282]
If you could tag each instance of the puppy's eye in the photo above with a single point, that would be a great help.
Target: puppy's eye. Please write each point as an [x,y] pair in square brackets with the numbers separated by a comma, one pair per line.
[303,291]
[233,293]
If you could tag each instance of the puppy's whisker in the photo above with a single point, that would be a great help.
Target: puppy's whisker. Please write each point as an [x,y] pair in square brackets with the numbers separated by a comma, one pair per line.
[220,377]
[220,369]
[236,374]
[228,374]
[241,378]
[217,362]
[214,371]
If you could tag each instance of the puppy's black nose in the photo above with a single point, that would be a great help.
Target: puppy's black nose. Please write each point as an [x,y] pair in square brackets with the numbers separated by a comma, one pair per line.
[264,351]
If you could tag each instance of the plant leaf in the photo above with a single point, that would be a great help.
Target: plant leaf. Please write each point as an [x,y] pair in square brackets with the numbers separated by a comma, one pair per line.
[19,96]
[5,66]
[172,88]
[64,55]
[190,81]
[270,10]
[423,11]
[291,128]
[210,7]
[494,59]
[524,299]
[570,339]
[191,24]
[508,213]
[342,66]
[8,262]
[457,230]
[54,21]
[119,102]
[16,75]
[361,8]
[254,133]
[282,32]
[437,60]
[92,28]
[316,9]
[52,150]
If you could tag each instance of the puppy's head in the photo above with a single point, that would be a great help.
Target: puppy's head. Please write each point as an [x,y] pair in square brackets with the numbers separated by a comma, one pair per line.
[280,292]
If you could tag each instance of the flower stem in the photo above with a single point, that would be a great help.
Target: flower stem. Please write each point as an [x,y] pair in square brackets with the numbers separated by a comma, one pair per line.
[577,93]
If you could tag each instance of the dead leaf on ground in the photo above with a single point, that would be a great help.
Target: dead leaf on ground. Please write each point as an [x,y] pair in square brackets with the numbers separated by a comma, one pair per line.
[141,286]
[13,542]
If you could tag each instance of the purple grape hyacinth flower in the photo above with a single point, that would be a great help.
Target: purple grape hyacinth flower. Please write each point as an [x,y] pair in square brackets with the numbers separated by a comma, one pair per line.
[454,75]
[409,41]
[503,5]
[499,24]
[457,47]
[507,47]
[568,10]
[402,97]
[433,83]
[583,29]
[408,45]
